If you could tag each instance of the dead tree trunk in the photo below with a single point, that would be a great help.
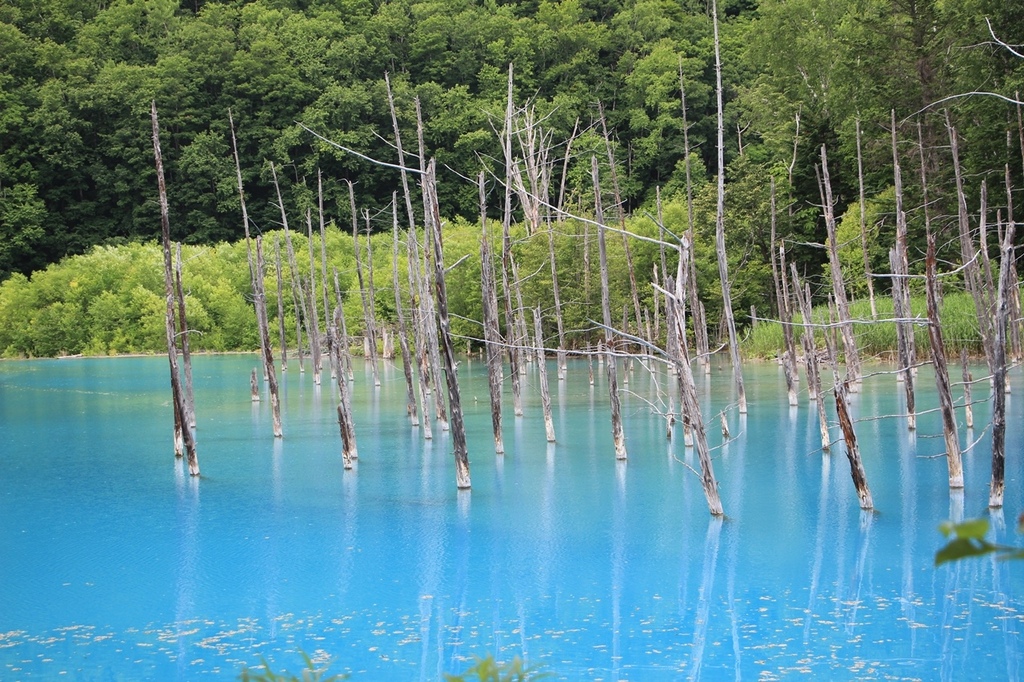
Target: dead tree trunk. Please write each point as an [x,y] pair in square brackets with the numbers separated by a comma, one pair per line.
[863,226]
[323,271]
[700,328]
[314,314]
[349,452]
[419,333]
[803,298]
[974,279]
[542,368]
[402,332]
[789,367]
[259,295]
[177,395]
[430,317]
[613,388]
[997,486]
[689,405]
[620,211]
[838,287]
[723,262]
[186,353]
[492,335]
[297,290]
[280,304]
[268,357]
[860,480]
[949,430]
[968,380]
[901,291]
[458,427]
[371,346]
[345,368]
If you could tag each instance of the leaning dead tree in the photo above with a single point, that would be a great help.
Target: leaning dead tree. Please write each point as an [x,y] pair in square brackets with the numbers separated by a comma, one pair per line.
[723,263]
[689,405]
[610,366]
[258,294]
[458,428]
[838,287]
[492,334]
[186,354]
[177,394]
[841,391]
[949,430]
[268,358]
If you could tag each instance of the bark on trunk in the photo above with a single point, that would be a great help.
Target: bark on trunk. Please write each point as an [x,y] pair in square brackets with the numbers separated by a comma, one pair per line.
[314,314]
[186,353]
[997,485]
[949,430]
[979,286]
[492,336]
[613,388]
[371,344]
[280,304]
[177,395]
[811,358]
[349,451]
[838,287]
[968,379]
[254,386]
[269,372]
[860,479]
[542,368]
[900,290]
[402,331]
[458,429]
[689,405]
[789,368]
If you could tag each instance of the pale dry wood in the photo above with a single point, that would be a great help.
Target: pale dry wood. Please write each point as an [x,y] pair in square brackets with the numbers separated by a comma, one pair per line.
[618,438]
[723,263]
[458,429]
[177,394]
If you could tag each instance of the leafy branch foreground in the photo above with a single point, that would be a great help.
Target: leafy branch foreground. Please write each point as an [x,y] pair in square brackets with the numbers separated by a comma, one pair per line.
[484,670]
[968,540]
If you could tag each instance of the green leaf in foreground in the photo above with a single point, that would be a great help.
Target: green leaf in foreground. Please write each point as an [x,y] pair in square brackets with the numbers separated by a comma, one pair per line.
[968,540]
[488,670]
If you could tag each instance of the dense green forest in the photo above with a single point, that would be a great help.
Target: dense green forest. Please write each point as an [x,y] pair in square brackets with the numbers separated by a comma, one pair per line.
[76,164]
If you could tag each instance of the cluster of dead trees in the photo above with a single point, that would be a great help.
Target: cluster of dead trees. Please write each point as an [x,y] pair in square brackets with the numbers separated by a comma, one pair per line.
[532,162]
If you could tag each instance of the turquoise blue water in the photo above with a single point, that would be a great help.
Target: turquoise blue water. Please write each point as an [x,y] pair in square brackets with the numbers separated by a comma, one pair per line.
[116,565]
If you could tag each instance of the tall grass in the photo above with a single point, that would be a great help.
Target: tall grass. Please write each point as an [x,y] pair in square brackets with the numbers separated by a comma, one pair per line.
[877,338]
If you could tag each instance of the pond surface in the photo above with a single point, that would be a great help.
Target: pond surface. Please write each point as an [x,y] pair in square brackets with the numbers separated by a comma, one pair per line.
[117,565]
